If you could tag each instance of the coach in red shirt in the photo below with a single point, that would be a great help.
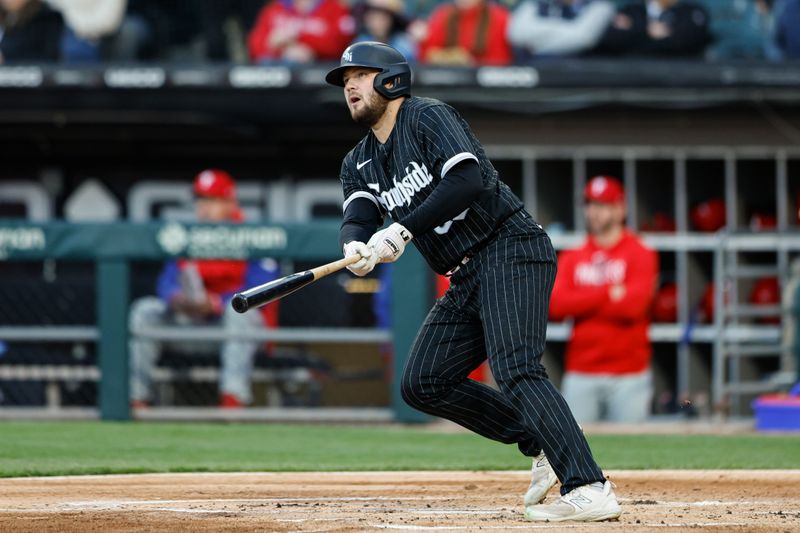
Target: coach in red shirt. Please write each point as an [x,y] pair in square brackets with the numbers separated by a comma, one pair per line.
[606,287]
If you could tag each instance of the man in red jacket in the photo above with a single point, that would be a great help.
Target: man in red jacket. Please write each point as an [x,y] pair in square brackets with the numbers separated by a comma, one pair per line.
[301,31]
[606,287]
[198,292]
[467,33]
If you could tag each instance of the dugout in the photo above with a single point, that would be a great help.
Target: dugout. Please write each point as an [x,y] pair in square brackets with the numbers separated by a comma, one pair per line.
[678,133]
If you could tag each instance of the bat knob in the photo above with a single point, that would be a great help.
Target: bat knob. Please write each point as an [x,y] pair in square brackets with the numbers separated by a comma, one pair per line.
[239,303]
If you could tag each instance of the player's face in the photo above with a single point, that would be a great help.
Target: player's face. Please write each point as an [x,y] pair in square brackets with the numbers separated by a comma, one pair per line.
[603,217]
[366,106]
[214,209]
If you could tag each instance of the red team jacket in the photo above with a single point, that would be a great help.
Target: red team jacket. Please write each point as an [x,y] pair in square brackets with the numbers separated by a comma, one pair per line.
[607,337]
[497,50]
[327,29]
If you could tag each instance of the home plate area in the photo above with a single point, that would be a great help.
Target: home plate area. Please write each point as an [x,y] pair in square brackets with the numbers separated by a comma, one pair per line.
[764,500]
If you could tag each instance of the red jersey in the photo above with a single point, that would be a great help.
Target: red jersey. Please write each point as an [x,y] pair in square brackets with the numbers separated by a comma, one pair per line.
[490,49]
[327,29]
[221,278]
[608,337]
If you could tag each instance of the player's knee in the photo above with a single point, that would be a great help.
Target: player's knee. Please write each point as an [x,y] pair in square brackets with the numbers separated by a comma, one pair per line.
[508,377]
[411,391]
[419,391]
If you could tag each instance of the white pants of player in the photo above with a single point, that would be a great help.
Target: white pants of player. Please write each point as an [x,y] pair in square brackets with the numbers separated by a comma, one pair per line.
[236,358]
[622,397]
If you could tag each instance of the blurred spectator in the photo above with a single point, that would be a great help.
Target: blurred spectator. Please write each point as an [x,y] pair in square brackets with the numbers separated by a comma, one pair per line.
[135,38]
[301,31]
[788,29]
[658,27]
[607,286]
[467,32]
[384,21]
[559,27]
[422,9]
[198,292]
[765,22]
[156,30]
[29,31]
[742,29]
[87,22]
[225,23]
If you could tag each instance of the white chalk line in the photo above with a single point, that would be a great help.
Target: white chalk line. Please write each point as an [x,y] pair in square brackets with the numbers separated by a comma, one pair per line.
[121,503]
[562,525]
[117,505]
[705,503]
[634,501]
[301,520]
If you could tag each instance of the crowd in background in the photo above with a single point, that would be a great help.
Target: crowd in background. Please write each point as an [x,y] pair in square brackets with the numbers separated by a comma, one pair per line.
[439,32]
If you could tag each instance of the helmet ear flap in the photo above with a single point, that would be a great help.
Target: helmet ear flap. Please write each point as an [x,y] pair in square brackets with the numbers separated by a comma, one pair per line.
[400,78]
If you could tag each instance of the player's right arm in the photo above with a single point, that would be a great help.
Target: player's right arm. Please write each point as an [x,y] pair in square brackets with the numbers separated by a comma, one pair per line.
[362,217]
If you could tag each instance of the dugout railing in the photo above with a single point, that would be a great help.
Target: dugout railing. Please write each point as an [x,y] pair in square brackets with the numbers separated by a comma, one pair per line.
[113,246]
[733,370]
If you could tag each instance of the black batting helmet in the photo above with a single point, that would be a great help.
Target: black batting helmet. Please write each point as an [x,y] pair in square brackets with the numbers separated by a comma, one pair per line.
[370,54]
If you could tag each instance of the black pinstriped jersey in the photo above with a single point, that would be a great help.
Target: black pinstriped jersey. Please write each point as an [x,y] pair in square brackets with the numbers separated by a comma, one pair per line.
[428,139]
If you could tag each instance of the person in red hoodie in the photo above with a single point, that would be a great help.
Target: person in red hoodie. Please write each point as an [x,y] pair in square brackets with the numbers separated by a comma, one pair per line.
[606,287]
[301,31]
[468,33]
[198,292]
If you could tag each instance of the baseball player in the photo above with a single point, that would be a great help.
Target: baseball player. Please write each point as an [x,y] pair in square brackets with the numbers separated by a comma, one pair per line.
[420,165]
[196,292]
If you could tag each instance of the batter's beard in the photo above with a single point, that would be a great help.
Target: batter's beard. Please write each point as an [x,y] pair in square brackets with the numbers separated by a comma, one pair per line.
[371,112]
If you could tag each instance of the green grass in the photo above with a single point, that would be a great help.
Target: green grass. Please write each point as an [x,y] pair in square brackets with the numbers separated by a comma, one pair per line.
[35,448]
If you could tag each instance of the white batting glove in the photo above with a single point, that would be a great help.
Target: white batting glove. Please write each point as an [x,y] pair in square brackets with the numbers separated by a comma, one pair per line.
[390,243]
[368,257]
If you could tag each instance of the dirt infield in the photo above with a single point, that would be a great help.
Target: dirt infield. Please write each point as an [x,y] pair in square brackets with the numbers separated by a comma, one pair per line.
[374,501]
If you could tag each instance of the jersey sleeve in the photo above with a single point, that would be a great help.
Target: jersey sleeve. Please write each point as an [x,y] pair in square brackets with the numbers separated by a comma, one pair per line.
[362,214]
[354,187]
[444,139]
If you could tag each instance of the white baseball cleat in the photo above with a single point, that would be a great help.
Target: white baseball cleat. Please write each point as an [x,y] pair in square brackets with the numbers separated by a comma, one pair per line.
[588,503]
[542,480]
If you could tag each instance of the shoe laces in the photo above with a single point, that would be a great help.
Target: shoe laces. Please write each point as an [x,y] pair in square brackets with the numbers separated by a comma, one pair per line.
[541,461]
[584,491]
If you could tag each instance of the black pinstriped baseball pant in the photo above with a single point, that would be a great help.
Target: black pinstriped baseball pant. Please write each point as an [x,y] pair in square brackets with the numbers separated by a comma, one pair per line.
[496,307]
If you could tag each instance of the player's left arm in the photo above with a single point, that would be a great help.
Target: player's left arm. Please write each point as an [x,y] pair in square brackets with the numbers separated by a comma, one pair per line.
[449,152]
[639,290]
[458,188]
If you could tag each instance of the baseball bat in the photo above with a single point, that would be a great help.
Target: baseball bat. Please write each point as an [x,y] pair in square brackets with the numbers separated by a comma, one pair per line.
[269,292]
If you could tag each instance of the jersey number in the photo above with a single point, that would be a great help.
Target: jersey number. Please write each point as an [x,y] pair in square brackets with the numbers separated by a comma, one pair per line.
[444,228]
